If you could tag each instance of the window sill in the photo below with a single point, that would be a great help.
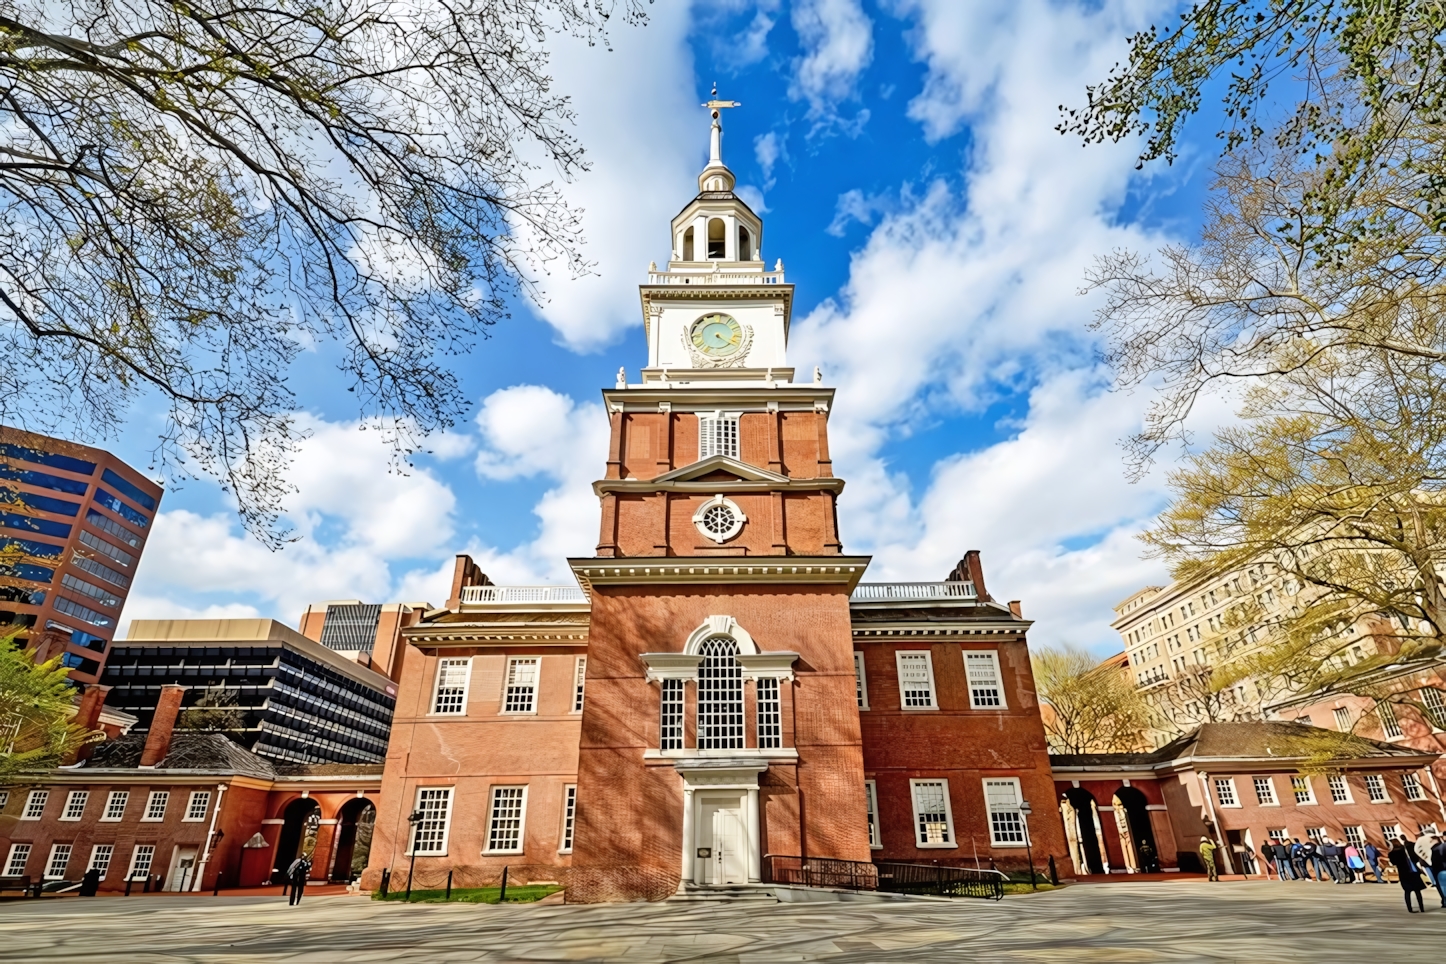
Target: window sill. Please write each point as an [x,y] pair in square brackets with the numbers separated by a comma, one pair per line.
[434,713]
[426,853]
[937,846]
[501,853]
[110,819]
[918,709]
[519,713]
[69,820]
[153,820]
[567,851]
[1011,845]
[29,818]
[876,846]
[193,820]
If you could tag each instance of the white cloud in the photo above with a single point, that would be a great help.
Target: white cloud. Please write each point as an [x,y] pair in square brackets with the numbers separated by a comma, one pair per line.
[838,43]
[854,205]
[768,149]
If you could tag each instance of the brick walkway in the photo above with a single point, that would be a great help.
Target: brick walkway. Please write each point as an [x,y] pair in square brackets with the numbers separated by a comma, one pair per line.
[1124,922]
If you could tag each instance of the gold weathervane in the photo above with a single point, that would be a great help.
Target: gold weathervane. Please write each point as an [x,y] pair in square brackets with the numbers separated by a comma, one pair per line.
[715,103]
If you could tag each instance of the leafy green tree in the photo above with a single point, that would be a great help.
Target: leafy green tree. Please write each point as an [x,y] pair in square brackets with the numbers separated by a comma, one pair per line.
[1089,707]
[37,728]
[216,709]
[192,194]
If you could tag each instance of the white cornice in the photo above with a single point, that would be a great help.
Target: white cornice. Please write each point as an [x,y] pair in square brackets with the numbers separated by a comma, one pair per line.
[676,570]
[603,486]
[704,397]
[965,627]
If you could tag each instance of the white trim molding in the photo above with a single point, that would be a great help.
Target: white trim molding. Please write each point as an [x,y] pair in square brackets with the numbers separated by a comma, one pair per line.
[721,535]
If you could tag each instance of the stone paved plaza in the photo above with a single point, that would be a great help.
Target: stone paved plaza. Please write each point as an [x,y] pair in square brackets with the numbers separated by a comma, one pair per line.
[1111,922]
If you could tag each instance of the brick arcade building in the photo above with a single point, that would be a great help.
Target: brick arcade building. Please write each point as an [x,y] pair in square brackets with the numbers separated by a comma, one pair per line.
[722,687]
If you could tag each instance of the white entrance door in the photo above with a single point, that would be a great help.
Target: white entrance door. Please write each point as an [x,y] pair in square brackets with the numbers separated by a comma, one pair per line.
[722,844]
[183,868]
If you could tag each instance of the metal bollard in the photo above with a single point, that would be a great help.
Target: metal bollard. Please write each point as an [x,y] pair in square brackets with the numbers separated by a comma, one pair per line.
[503,895]
[386,879]
[449,885]
[1053,874]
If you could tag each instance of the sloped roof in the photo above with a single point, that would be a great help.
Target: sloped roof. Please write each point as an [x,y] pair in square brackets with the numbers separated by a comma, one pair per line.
[212,752]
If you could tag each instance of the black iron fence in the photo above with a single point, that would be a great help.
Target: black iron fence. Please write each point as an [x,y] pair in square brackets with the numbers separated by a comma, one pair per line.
[820,872]
[898,878]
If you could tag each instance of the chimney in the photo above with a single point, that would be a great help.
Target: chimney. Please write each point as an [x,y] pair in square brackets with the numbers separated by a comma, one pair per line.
[87,717]
[466,573]
[969,569]
[163,724]
[1014,608]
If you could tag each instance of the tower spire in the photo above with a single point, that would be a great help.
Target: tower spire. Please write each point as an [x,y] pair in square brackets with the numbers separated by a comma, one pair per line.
[715,143]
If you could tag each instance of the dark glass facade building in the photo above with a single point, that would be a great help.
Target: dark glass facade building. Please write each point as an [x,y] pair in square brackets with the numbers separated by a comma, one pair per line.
[73,523]
[288,697]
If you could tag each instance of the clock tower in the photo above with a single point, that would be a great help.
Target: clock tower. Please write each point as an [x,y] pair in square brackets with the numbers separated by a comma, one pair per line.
[721,722]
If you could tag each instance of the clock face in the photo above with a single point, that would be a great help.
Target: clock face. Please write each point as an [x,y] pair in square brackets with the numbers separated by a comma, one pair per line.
[717,334]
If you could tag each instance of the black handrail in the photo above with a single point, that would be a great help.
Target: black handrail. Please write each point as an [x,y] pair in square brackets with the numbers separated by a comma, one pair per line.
[820,872]
[900,878]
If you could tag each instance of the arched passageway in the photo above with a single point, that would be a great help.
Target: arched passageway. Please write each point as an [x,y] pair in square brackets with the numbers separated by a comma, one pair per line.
[298,833]
[353,839]
[1133,815]
[1078,808]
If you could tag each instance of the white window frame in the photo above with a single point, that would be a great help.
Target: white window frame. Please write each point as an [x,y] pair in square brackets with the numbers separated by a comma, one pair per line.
[1411,786]
[203,797]
[579,683]
[16,860]
[75,804]
[508,684]
[413,832]
[96,863]
[1342,715]
[444,664]
[1435,706]
[135,855]
[989,809]
[709,424]
[979,657]
[768,713]
[112,812]
[164,797]
[672,704]
[1225,786]
[35,804]
[861,681]
[56,851]
[871,801]
[1390,723]
[919,841]
[490,829]
[1391,831]
[928,655]
[1339,786]
[1273,799]
[1381,783]
[1295,789]
[1357,839]
[569,817]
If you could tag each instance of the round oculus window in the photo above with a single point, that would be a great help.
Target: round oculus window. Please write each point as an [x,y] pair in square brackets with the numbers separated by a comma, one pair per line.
[719,519]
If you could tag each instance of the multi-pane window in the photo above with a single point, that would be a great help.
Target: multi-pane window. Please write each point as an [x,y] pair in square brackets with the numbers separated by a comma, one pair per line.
[1434,704]
[1316,833]
[861,685]
[1426,830]
[141,859]
[986,690]
[156,805]
[1265,792]
[579,682]
[670,735]
[770,722]
[451,692]
[932,823]
[1340,793]
[720,695]
[521,691]
[1225,792]
[1411,783]
[75,805]
[1302,789]
[15,862]
[1355,836]
[717,435]
[115,805]
[1389,724]
[429,835]
[1392,832]
[197,806]
[871,797]
[1006,822]
[35,804]
[59,860]
[100,856]
[569,816]
[504,823]
[1343,719]
[916,681]
[1376,788]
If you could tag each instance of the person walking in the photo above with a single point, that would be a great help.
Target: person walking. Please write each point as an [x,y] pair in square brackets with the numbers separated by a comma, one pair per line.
[1207,857]
[1409,876]
[297,873]
[1373,861]
[1438,867]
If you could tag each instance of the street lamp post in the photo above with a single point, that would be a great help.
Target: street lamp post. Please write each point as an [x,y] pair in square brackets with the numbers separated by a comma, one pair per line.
[1024,811]
[415,819]
[215,843]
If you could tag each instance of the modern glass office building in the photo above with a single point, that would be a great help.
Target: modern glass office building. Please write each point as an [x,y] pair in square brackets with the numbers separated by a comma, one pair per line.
[73,523]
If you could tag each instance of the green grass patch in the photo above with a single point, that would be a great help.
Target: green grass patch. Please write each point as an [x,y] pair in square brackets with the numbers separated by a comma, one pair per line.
[1024,888]
[521,894]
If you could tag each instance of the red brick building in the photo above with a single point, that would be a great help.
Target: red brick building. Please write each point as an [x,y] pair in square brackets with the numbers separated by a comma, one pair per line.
[1241,784]
[722,688]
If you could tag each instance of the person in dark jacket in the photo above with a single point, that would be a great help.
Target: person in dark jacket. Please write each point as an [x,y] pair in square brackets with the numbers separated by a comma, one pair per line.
[1330,852]
[1438,867]
[1410,877]
[1373,861]
[299,870]
[1282,861]
[90,883]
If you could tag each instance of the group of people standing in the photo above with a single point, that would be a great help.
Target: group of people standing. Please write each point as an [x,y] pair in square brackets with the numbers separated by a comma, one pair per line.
[1341,863]
[1426,858]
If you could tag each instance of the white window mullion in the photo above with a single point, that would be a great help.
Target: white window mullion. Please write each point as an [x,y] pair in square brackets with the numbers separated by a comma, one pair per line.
[520,694]
[916,680]
[453,678]
[871,796]
[1006,823]
[429,837]
[933,814]
[769,714]
[670,718]
[569,816]
[861,683]
[579,683]
[506,820]
[986,688]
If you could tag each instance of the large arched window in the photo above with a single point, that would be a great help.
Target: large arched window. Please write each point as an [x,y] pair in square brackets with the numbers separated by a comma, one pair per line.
[717,240]
[720,695]
[745,245]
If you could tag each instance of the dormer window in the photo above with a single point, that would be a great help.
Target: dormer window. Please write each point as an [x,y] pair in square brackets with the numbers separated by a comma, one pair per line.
[717,240]
[745,246]
[717,435]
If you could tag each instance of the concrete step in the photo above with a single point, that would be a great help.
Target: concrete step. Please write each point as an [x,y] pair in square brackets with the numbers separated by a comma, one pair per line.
[704,893]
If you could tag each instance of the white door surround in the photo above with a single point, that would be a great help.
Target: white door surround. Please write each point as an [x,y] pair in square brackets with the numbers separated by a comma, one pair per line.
[721,797]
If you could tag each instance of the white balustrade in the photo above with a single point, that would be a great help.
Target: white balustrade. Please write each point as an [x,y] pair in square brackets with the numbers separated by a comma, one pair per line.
[521,595]
[889,591]
[719,277]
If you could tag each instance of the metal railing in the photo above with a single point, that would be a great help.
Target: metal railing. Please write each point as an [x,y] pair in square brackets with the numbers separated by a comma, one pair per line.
[898,878]
[882,591]
[521,595]
[717,276]
[820,872]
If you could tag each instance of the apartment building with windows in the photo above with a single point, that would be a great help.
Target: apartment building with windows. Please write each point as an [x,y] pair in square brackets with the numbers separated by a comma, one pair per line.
[369,633]
[720,686]
[73,523]
[298,701]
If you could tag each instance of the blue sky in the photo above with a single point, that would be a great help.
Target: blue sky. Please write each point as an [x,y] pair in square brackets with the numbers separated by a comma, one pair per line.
[937,230]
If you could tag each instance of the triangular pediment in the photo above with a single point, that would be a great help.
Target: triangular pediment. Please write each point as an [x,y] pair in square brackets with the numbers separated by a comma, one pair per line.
[719,468]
